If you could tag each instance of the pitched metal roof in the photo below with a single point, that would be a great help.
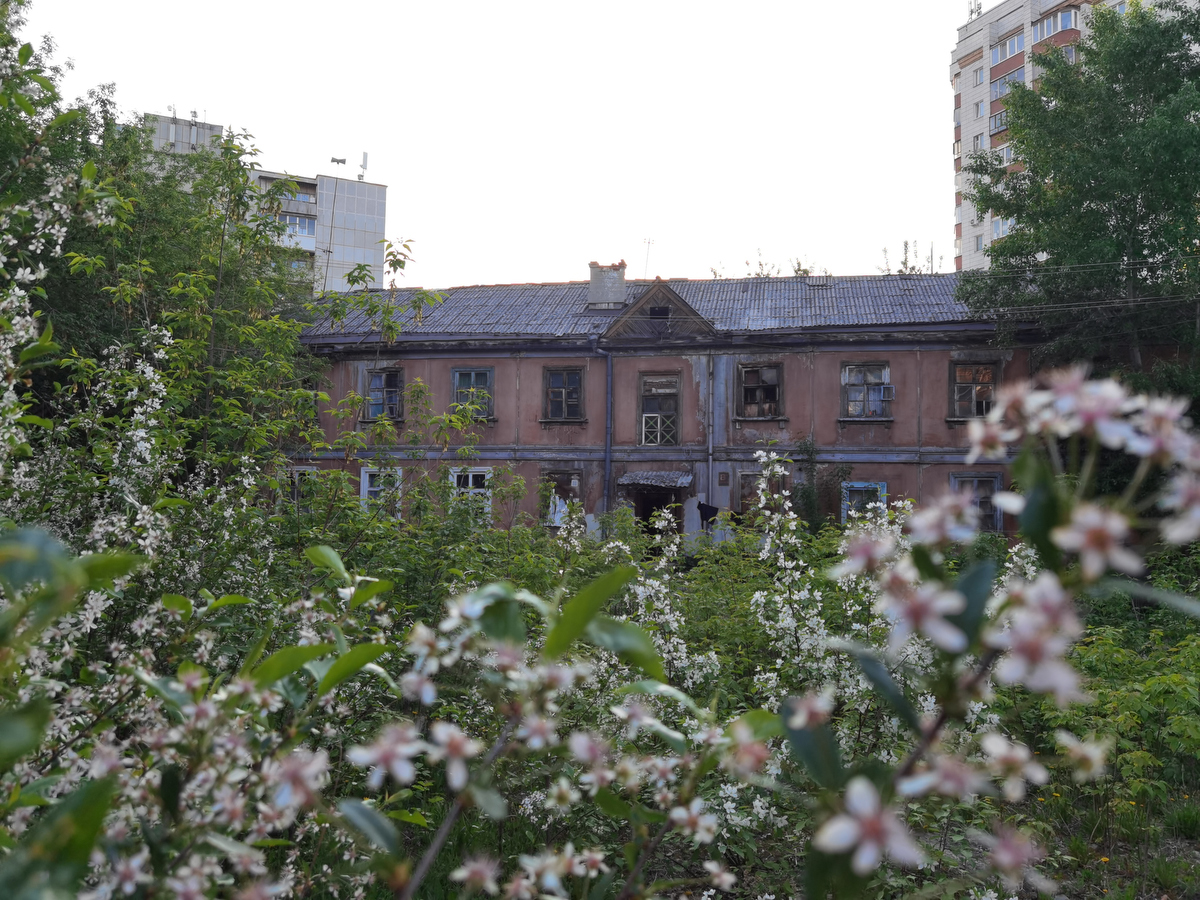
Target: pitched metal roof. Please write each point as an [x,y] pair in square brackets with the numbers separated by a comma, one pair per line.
[736,304]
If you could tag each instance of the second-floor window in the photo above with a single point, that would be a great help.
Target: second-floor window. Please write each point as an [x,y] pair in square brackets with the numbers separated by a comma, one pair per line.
[660,409]
[564,394]
[385,394]
[299,224]
[974,390]
[760,392]
[867,391]
[474,386]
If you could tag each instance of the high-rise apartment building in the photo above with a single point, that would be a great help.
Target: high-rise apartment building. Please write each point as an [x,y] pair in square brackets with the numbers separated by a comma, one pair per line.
[340,222]
[991,55]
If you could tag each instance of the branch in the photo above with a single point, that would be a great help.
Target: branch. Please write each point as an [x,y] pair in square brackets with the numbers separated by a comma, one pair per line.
[627,891]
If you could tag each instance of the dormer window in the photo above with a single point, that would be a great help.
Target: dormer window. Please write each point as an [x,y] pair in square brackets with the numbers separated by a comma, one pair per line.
[659,312]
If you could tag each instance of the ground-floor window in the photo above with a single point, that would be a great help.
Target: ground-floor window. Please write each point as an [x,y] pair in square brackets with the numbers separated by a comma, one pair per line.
[983,488]
[856,495]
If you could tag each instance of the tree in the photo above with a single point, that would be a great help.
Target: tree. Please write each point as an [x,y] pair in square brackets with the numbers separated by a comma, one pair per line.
[1101,255]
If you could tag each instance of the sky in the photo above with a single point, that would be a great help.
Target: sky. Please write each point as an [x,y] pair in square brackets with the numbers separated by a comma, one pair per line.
[520,140]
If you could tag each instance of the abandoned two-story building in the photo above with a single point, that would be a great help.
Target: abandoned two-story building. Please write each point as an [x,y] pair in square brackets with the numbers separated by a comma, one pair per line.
[651,393]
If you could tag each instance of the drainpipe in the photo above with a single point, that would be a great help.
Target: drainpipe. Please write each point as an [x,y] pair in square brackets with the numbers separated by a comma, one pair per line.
[608,423]
[711,419]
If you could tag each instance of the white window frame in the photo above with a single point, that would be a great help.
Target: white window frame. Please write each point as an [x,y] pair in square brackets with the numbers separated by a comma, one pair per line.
[1001,227]
[981,109]
[295,474]
[460,492]
[848,486]
[960,479]
[293,221]
[365,488]
[979,76]
[1008,47]
[663,427]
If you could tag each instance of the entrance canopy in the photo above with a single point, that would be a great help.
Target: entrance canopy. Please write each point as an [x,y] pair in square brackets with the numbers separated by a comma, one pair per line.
[657,479]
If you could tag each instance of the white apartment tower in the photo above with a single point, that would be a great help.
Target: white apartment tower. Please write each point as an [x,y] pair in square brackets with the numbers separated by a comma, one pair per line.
[340,222]
[991,55]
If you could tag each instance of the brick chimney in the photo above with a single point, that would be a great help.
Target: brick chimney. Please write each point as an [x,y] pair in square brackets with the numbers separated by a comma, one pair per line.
[606,290]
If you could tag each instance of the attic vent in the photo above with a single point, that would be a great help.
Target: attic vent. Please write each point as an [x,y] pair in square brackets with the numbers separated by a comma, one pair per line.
[659,312]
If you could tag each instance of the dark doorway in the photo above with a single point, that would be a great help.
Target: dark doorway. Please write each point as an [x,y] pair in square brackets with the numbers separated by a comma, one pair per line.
[647,501]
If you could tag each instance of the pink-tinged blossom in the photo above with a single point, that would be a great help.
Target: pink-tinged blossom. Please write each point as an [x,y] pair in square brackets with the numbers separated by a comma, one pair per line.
[451,744]
[747,755]
[1183,498]
[190,887]
[391,754]
[694,821]
[952,517]
[1097,409]
[1046,597]
[1014,763]
[1159,424]
[948,776]
[635,716]
[868,829]
[417,686]
[1035,658]
[989,440]
[520,887]
[722,879]
[588,748]
[538,732]
[865,554]
[811,710]
[561,796]
[423,644]
[1088,758]
[462,609]
[128,872]
[548,869]
[590,863]
[1096,534]
[478,873]
[662,769]
[297,777]
[1011,854]
[922,609]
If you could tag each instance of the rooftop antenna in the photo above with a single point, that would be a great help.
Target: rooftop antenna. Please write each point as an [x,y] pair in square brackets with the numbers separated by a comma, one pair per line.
[974,9]
[332,210]
[363,173]
[340,162]
[646,270]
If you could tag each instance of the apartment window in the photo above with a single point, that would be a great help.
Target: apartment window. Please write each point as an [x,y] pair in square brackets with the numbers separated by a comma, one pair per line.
[299,224]
[979,243]
[857,495]
[979,142]
[958,246]
[958,148]
[998,122]
[1121,8]
[974,390]
[760,392]
[385,394]
[1006,155]
[958,215]
[380,486]
[954,82]
[957,113]
[474,386]
[1002,85]
[1007,48]
[866,391]
[979,76]
[1069,53]
[1001,227]
[660,409]
[1056,22]
[983,488]
[301,482]
[564,394]
[981,109]
[474,486]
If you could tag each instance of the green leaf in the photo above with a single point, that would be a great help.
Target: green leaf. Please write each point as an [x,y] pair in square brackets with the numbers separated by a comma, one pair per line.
[25,53]
[349,664]
[1189,606]
[371,824]
[65,119]
[631,645]
[1042,510]
[169,790]
[257,650]
[489,801]
[976,585]
[410,816]
[763,724]
[164,688]
[35,420]
[21,731]
[504,620]
[89,171]
[883,682]
[669,736]
[818,751]
[233,849]
[658,689]
[612,805]
[580,610]
[179,604]
[382,674]
[368,588]
[102,568]
[227,600]
[324,557]
[284,662]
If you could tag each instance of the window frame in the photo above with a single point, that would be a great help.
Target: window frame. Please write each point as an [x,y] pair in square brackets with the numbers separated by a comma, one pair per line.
[1001,87]
[959,479]
[981,109]
[887,392]
[365,488]
[457,492]
[368,374]
[286,220]
[490,410]
[953,383]
[643,377]
[740,405]
[847,486]
[296,474]
[547,373]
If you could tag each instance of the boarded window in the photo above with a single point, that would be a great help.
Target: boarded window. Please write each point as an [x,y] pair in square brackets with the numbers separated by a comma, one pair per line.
[760,392]
[660,409]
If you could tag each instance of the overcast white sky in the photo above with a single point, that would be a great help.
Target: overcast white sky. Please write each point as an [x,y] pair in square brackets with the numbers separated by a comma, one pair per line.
[519,140]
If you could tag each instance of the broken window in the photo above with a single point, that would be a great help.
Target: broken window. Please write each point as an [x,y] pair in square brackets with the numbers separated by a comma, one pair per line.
[858,495]
[564,394]
[660,409]
[564,489]
[385,394]
[974,390]
[380,486]
[474,386]
[760,392]
[866,391]
[473,485]
[982,489]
